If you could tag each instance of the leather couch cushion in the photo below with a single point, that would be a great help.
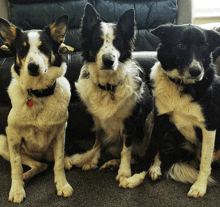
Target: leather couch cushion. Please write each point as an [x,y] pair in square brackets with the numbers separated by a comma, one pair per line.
[35,14]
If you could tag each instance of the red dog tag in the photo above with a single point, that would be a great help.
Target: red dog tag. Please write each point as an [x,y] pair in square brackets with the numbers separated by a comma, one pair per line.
[30,103]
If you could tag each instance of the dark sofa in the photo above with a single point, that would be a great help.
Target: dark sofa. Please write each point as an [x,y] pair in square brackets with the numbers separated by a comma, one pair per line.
[94,188]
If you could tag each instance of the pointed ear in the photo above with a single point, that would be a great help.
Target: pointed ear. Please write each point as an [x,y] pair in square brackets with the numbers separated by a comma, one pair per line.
[90,17]
[213,39]
[58,28]
[126,22]
[8,31]
[163,31]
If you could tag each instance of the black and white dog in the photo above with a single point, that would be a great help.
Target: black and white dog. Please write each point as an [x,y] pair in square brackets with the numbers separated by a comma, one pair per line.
[40,97]
[187,99]
[112,86]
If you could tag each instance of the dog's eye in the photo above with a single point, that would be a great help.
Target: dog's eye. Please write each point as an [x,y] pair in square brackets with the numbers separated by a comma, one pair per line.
[204,47]
[182,46]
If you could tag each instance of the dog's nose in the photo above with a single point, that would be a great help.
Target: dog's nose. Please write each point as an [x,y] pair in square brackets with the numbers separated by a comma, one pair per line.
[194,71]
[108,60]
[33,69]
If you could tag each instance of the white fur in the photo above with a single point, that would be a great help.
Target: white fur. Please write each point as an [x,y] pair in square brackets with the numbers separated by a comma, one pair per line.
[107,47]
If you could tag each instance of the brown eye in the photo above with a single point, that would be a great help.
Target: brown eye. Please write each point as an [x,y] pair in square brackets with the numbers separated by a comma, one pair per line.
[182,46]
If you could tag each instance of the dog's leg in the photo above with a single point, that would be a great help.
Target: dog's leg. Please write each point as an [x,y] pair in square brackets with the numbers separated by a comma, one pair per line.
[36,167]
[17,193]
[198,189]
[88,160]
[125,165]
[110,165]
[155,170]
[63,187]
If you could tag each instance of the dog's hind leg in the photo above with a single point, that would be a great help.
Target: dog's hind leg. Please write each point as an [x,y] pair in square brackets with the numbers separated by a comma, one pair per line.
[4,152]
[36,167]
[110,165]
[87,160]
[155,170]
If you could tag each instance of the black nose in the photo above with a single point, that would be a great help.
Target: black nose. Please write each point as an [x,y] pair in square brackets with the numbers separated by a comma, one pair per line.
[194,71]
[33,69]
[108,60]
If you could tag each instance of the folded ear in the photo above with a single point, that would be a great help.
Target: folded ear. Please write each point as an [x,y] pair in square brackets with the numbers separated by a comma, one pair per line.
[163,31]
[90,17]
[65,49]
[8,31]
[58,28]
[126,22]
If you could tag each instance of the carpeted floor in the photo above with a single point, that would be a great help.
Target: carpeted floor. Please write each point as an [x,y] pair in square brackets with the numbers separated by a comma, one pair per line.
[95,188]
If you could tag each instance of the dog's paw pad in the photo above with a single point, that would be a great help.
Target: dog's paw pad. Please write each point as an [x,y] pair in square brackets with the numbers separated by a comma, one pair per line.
[65,191]
[17,196]
[155,173]
[197,191]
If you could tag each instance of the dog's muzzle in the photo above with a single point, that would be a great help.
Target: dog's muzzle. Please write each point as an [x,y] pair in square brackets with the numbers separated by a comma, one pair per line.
[108,61]
[33,69]
[195,72]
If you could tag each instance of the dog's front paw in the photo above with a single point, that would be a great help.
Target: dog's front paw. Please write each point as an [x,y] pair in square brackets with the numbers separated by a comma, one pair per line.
[122,175]
[65,191]
[197,190]
[16,195]
[155,172]
[133,181]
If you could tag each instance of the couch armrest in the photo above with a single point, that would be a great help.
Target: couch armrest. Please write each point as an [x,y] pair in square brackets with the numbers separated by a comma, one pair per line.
[185,12]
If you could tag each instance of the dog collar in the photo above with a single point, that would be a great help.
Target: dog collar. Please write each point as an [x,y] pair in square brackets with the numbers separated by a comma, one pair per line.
[179,83]
[40,93]
[109,87]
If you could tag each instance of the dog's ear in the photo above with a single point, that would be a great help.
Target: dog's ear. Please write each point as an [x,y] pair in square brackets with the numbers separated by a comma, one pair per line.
[8,32]
[58,29]
[162,31]
[126,22]
[65,49]
[90,17]
[213,39]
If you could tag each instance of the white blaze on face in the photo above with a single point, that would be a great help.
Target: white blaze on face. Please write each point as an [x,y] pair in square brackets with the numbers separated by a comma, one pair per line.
[107,47]
[34,54]
[195,63]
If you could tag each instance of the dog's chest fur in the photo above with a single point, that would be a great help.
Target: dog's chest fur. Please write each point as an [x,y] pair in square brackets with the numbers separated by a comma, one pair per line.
[38,125]
[183,112]
[108,113]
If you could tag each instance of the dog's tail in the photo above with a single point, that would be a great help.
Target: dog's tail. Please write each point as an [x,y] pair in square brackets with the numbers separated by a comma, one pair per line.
[185,173]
